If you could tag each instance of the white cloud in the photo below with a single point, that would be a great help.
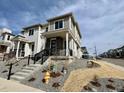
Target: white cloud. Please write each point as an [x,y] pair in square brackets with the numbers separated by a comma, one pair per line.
[4,22]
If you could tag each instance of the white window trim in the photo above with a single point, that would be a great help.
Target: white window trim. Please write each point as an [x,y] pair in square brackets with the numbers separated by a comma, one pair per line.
[29,31]
[62,22]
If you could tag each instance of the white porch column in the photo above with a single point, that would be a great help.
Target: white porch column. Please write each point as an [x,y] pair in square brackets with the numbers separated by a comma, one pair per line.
[17,51]
[67,50]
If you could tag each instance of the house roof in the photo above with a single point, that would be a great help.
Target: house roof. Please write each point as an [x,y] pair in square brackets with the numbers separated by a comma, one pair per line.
[59,17]
[8,33]
[35,25]
[20,38]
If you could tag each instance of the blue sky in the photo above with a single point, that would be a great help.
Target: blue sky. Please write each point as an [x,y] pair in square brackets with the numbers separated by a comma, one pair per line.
[101,21]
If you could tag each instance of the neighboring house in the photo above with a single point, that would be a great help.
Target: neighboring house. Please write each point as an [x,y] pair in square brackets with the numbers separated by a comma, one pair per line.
[60,34]
[85,53]
[5,41]
[84,50]
[114,53]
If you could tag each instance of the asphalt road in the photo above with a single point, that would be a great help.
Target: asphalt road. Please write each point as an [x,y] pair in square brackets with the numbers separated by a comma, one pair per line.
[119,62]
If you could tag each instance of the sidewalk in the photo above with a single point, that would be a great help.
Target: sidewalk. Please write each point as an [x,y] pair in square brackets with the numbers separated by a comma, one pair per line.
[11,86]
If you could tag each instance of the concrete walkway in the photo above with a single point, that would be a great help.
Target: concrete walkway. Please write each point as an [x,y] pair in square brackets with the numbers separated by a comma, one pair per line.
[81,77]
[11,86]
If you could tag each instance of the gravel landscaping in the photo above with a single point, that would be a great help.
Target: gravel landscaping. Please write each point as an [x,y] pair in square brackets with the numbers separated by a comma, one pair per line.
[55,83]
[105,85]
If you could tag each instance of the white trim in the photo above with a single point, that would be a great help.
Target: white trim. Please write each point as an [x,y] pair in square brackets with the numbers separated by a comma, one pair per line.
[67,44]
[70,23]
[62,22]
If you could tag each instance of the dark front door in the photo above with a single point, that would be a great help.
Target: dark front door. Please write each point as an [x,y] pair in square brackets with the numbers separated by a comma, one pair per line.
[53,46]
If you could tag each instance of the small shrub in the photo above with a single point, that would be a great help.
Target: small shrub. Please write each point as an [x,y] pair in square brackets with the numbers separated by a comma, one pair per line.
[95,78]
[56,84]
[31,79]
[44,71]
[24,65]
[95,83]
[4,71]
[110,86]
[12,73]
[54,75]
[43,80]
[110,80]
[87,88]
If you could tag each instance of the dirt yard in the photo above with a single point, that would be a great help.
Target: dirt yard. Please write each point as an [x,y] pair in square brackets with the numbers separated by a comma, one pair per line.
[81,77]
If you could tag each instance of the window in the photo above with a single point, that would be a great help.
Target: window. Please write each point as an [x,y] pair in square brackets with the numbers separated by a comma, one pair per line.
[8,37]
[31,32]
[59,24]
[3,37]
[46,29]
[32,47]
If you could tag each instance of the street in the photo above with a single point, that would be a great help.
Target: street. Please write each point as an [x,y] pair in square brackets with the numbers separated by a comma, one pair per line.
[119,62]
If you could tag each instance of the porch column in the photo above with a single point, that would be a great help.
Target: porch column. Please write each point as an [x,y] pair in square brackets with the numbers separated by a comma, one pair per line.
[67,50]
[17,51]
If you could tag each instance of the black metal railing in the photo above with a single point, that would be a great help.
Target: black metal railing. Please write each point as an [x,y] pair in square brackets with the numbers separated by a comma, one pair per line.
[42,56]
[17,62]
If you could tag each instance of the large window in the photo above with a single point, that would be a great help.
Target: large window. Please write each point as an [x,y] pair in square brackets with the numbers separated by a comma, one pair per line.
[31,32]
[32,47]
[46,29]
[8,38]
[59,24]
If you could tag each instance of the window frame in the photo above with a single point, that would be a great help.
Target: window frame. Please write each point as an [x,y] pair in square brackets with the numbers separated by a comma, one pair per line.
[58,23]
[32,47]
[8,38]
[32,32]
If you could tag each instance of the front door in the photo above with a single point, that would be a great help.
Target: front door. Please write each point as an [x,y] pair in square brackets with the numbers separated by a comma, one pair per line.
[53,46]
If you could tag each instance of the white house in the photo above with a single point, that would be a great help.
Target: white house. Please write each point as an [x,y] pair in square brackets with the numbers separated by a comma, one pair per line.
[60,34]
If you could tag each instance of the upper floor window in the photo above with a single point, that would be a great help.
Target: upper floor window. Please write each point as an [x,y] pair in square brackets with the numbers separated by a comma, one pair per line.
[59,24]
[31,32]
[3,37]
[8,37]
[32,48]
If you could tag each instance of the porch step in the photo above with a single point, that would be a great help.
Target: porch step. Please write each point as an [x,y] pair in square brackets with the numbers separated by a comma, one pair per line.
[22,73]
[34,65]
[25,72]
[17,77]
[29,68]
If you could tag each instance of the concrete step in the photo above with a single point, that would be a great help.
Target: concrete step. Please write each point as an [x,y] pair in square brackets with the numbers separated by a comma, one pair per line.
[34,65]
[17,77]
[22,73]
[29,68]
[26,71]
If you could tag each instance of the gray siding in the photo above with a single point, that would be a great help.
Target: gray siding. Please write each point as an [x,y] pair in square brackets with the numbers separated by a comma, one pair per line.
[52,25]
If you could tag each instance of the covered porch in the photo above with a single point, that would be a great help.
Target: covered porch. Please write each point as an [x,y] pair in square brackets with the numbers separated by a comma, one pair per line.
[22,47]
[58,43]
[5,46]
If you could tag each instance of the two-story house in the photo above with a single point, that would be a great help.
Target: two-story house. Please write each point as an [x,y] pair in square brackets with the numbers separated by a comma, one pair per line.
[5,41]
[60,35]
